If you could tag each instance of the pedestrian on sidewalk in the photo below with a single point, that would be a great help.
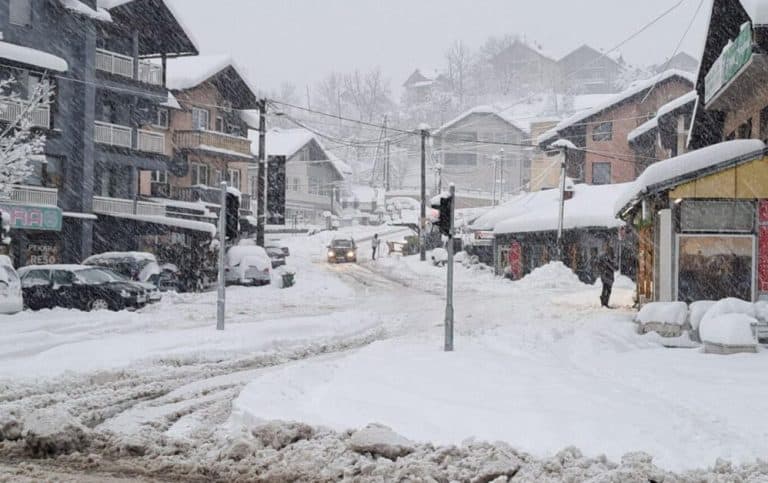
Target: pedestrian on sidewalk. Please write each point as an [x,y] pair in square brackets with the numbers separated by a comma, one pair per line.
[606,268]
[375,245]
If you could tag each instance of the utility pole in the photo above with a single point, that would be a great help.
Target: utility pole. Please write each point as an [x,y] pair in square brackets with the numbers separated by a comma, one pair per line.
[261,183]
[222,295]
[495,178]
[564,154]
[423,219]
[387,166]
[501,170]
[449,284]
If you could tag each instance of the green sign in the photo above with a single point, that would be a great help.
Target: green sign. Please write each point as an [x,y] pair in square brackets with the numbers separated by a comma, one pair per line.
[31,217]
[734,56]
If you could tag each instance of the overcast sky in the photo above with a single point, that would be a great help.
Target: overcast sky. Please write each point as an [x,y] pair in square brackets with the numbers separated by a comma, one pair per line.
[302,40]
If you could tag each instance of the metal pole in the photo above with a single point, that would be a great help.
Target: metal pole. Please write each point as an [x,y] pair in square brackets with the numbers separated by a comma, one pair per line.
[387,167]
[221,301]
[562,207]
[261,182]
[423,220]
[449,289]
[495,178]
[501,176]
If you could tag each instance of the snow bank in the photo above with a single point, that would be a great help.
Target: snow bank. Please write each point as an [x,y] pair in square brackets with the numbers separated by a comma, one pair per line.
[53,431]
[663,312]
[733,329]
[554,275]
[729,306]
[380,440]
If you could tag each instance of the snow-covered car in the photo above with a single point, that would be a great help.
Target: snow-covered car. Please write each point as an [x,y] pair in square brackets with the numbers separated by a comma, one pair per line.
[153,293]
[137,266]
[11,300]
[342,250]
[247,265]
[77,287]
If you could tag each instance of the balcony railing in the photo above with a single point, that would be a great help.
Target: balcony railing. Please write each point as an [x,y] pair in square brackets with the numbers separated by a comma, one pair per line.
[113,134]
[209,195]
[151,142]
[118,206]
[35,195]
[122,65]
[13,109]
[212,139]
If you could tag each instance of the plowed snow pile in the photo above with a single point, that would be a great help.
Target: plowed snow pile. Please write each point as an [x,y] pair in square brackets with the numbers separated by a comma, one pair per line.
[554,275]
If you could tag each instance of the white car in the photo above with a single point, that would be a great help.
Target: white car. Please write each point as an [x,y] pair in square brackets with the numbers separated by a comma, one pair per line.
[11,299]
[247,265]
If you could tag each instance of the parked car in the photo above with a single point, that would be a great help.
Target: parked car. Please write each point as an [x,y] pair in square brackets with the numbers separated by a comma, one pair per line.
[276,255]
[137,266]
[342,250]
[77,287]
[247,265]
[11,300]
[153,293]
[168,279]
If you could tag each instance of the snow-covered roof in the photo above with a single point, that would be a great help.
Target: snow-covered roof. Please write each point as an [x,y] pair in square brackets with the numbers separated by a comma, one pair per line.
[188,72]
[171,103]
[100,13]
[110,4]
[643,128]
[28,56]
[665,172]
[667,108]
[500,113]
[633,90]
[202,226]
[590,206]
[287,142]
[120,255]
[563,143]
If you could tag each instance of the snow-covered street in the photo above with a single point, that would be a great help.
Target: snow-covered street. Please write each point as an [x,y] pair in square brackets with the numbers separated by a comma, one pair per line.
[538,366]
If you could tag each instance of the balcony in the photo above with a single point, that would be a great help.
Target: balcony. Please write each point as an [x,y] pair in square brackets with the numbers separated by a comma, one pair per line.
[208,195]
[13,109]
[122,136]
[35,195]
[117,206]
[213,141]
[123,65]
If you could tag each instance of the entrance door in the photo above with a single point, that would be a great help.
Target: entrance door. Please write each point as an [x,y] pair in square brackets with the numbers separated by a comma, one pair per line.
[712,267]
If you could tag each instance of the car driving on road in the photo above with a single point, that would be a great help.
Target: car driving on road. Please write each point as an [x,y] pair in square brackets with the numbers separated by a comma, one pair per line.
[77,287]
[342,250]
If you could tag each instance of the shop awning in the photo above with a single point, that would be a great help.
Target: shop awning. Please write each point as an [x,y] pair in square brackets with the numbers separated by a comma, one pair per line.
[81,216]
[200,226]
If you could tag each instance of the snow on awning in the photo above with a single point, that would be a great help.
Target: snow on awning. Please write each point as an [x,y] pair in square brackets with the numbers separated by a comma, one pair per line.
[28,56]
[201,226]
[79,7]
[81,216]
[666,172]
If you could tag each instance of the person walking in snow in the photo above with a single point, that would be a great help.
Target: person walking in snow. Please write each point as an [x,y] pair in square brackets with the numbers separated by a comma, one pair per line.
[375,245]
[606,268]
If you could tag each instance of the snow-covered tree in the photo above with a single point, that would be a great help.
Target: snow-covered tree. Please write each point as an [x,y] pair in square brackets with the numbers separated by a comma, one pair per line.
[18,141]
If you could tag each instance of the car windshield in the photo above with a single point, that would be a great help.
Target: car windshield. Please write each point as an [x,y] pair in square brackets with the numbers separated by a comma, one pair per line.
[93,276]
[342,243]
[114,276]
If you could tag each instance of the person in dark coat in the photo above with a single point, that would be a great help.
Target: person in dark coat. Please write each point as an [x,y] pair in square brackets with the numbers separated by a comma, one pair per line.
[606,268]
[375,245]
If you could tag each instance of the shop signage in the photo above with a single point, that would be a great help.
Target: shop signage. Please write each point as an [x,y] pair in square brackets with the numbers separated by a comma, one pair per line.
[43,253]
[30,217]
[734,56]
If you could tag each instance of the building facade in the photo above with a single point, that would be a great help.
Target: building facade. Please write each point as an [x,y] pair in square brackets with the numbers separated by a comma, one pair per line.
[588,71]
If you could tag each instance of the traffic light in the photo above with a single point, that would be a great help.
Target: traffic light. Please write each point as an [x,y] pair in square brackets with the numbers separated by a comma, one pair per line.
[445,208]
[232,212]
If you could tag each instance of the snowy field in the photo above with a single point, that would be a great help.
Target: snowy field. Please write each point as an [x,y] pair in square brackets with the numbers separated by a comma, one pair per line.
[539,368]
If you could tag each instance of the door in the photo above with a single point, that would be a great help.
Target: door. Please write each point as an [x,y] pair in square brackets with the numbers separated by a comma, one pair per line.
[713,267]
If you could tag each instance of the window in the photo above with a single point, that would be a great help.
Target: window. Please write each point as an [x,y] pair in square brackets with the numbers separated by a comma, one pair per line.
[296,184]
[717,215]
[62,278]
[20,12]
[601,173]
[159,176]
[219,124]
[199,174]
[713,267]
[200,119]
[162,118]
[745,130]
[34,278]
[233,177]
[602,132]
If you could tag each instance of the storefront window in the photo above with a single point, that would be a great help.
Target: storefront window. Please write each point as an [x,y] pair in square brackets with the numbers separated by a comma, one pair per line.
[717,215]
[712,267]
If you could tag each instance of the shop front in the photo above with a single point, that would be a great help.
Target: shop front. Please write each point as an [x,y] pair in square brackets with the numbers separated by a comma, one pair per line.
[35,233]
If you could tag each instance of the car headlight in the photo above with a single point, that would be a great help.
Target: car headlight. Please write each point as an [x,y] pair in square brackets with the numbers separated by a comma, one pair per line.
[125,294]
[331,254]
[350,254]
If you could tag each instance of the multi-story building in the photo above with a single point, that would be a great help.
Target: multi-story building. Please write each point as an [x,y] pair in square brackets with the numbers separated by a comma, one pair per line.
[204,132]
[600,134]
[106,59]
[480,151]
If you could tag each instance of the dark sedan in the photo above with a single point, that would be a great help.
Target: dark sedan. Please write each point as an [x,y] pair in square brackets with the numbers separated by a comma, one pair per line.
[77,287]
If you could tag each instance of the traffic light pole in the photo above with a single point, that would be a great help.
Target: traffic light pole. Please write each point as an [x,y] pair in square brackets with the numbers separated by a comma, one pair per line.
[261,183]
[423,214]
[449,285]
[221,301]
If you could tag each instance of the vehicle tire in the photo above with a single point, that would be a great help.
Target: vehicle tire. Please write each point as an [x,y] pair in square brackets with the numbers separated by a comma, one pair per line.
[98,304]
